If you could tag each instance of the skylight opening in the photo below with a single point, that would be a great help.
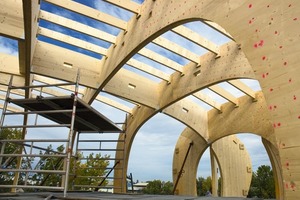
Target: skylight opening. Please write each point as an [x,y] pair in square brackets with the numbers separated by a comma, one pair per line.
[168,54]
[208,32]
[142,73]
[253,84]
[153,64]
[79,17]
[69,46]
[9,46]
[74,33]
[231,89]
[214,96]
[185,43]
[200,103]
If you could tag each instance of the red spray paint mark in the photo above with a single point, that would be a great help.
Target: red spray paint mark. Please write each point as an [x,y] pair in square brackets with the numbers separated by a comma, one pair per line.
[295,19]
[280,47]
[287,164]
[278,124]
[290,80]
[271,89]
[295,98]
[263,58]
[299,117]
[250,6]
[276,32]
[255,45]
[261,43]
[285,63]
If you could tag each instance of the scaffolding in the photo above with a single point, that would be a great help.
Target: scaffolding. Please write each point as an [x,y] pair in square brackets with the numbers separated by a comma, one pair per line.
[66,111]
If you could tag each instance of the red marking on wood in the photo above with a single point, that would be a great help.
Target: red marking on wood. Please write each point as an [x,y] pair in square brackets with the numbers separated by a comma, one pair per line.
[285,63]
[270,107]
[278,124]
[299,117]
[255,45]
[295,19]
[250,21]
[274,125]
[271,89]
[263,58]
[261,43]
[295,98]
[280,47]
[290,80]
[276,32]
[263,75]
[250,6]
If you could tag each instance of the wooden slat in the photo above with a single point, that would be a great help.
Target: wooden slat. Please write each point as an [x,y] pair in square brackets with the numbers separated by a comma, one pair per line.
[114,104]
[148,69]
[90,12]
[74,25]
[9,64]
[127,5]
[223,93]
[206,99]
[161,59]
[243,87]
[197,39]
[72,41]
[11,19]
[177,49]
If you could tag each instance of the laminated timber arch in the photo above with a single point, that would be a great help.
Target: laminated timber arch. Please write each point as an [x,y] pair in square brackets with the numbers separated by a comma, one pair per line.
[242,121]
[233,163]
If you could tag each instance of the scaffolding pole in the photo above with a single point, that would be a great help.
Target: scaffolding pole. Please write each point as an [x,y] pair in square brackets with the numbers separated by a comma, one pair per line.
[70,139]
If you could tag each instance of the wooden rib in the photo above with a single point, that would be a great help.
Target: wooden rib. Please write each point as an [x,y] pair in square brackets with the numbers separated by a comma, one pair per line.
[197,39]
[11,19]
[90,12]
[148,69]
[206,99]
[127,5]
[223,93]
[72,41]
[161,59]
[243,87]
[9,64]
[177,49]
[74,25]
[114,104]
[218,28]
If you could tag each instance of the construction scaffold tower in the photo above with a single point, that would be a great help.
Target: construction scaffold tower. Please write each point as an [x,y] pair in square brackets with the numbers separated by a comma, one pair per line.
[31,153]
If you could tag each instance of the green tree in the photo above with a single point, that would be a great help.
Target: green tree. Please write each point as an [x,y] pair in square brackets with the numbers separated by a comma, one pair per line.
[6,178]
[158,187]
[262,184]
[203,185]
[91,170]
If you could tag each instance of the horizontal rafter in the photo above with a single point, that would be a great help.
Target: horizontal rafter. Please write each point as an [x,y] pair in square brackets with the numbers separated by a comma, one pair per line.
[90,12]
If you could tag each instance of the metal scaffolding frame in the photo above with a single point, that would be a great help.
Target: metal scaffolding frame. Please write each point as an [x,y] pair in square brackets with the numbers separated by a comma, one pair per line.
[27,148]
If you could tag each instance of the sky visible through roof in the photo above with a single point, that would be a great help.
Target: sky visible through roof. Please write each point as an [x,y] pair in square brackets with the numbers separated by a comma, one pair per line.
[152,151]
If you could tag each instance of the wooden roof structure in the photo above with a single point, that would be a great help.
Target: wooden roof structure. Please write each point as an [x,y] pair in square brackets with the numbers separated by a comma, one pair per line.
[188,59]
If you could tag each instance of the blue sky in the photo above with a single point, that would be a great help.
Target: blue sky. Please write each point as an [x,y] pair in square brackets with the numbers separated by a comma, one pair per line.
[152,150]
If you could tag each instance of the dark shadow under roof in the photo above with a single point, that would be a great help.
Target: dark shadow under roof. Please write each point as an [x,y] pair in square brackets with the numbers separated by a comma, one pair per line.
[87,119]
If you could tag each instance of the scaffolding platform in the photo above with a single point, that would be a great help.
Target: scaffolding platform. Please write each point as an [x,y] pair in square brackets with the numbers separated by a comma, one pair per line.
[59,110]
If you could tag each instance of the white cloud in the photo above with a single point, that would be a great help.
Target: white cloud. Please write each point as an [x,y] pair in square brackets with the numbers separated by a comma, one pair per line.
[8,46]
